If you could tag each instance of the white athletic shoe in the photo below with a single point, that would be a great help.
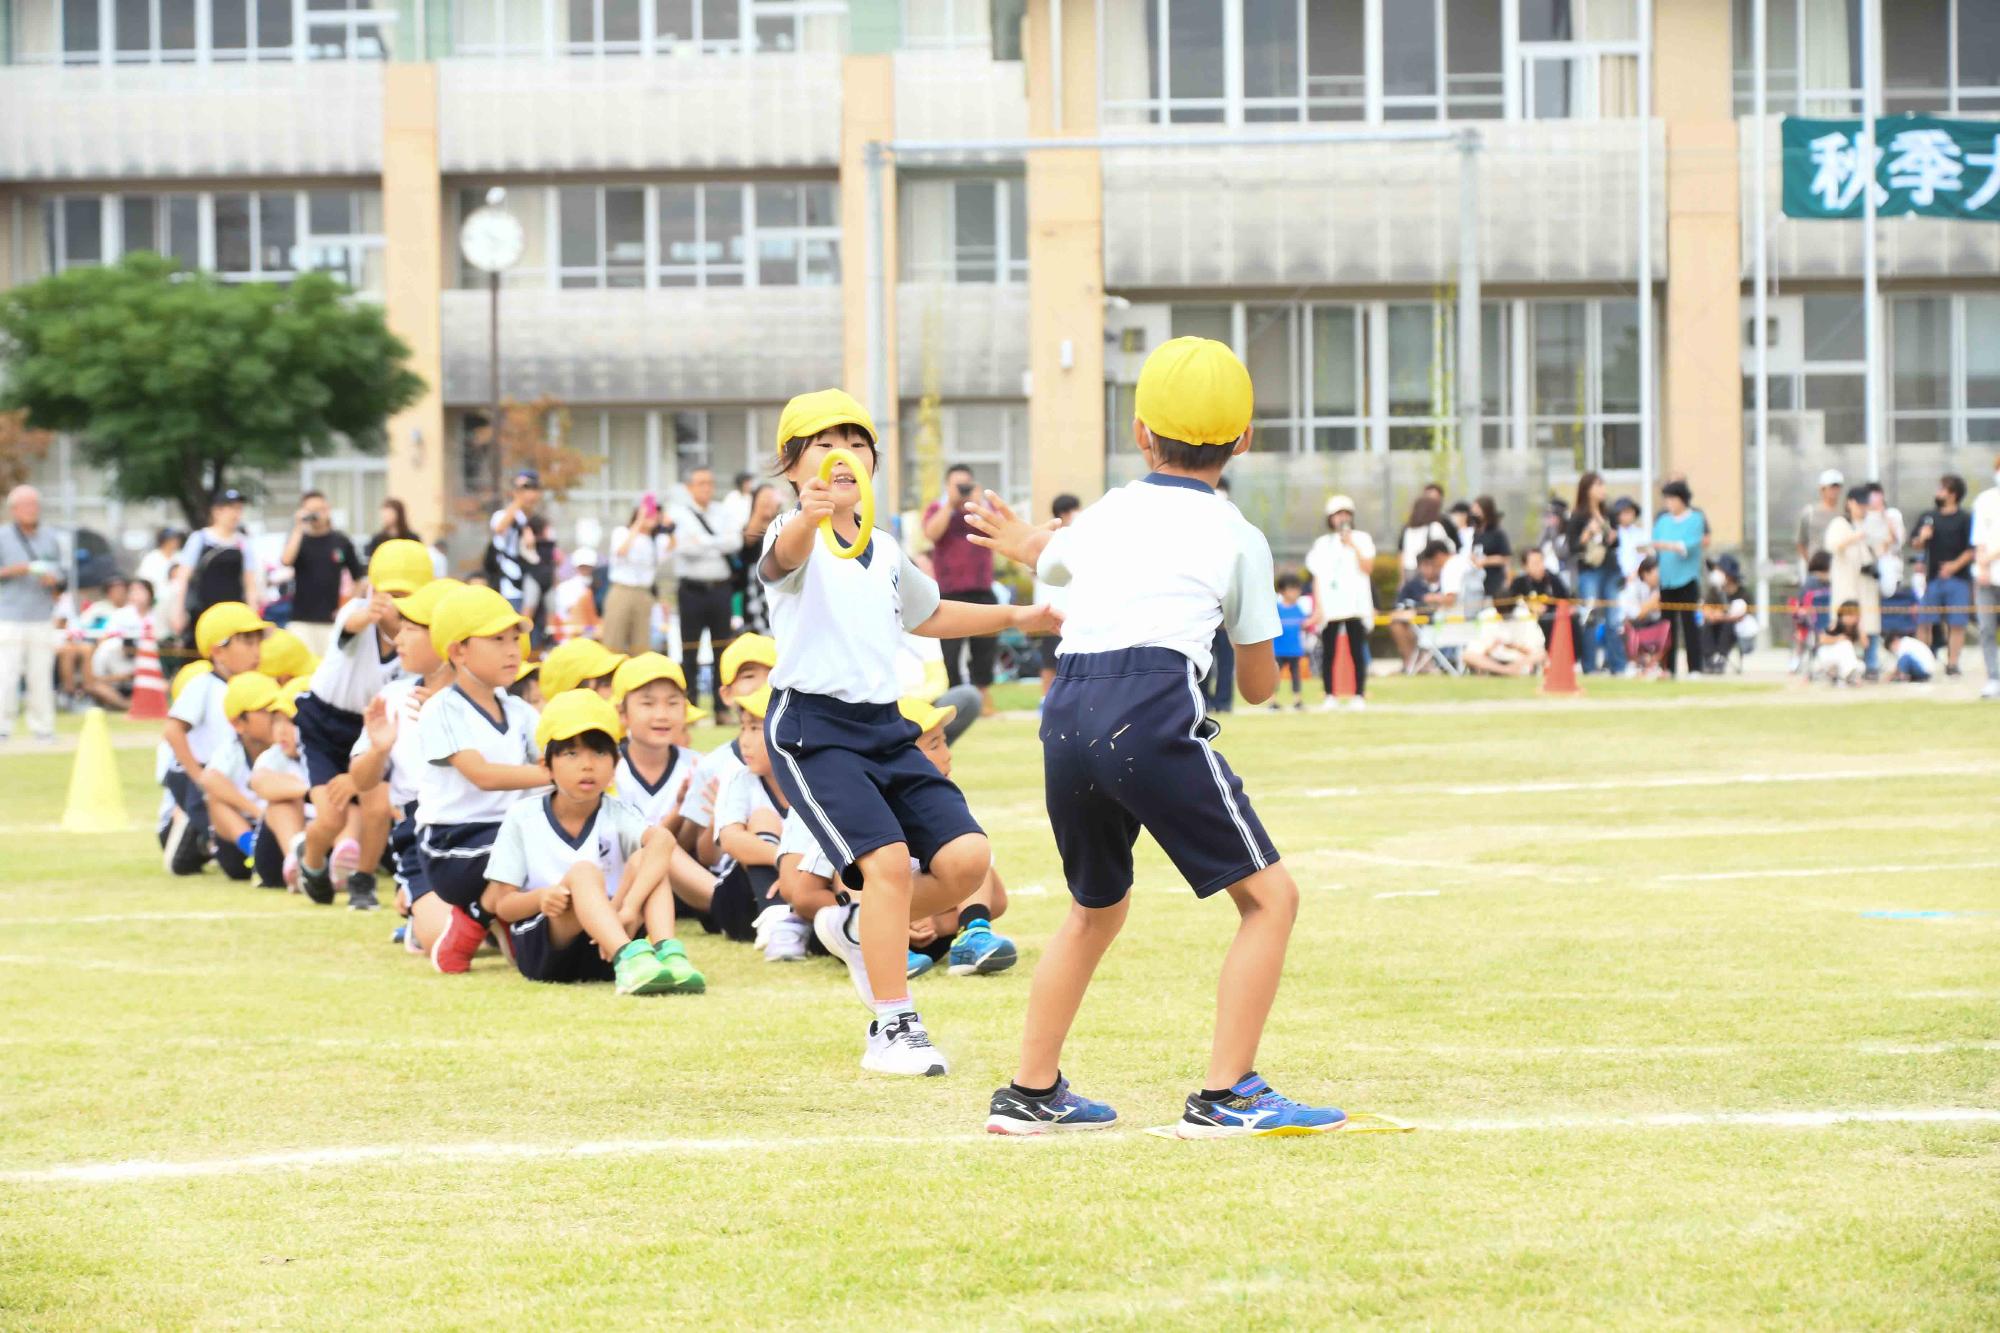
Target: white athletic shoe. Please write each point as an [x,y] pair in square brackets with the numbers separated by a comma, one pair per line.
[1357,704]
[760,929]
[836,930]
[900,1045]
[1328,704]
[1991,690]
[785,942]
[176,830]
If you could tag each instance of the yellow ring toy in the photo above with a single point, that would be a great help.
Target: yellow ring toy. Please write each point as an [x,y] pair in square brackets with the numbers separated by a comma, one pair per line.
[865,512]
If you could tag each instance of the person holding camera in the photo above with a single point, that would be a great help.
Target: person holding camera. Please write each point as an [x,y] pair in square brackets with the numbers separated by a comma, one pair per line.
[637,551]
[964,574]
[1857,548]
[318,556]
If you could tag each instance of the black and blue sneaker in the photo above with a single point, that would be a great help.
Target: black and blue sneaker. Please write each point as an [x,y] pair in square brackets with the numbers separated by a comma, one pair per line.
[1253,1109]
[1015,1112]
[976,951]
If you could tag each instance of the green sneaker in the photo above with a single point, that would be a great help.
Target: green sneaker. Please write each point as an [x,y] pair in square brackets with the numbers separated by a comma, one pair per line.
[677,974]
[636,969]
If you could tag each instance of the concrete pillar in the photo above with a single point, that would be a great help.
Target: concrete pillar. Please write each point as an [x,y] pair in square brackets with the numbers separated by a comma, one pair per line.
[1701,387]
[413,263]
[1065,261]
[868,113]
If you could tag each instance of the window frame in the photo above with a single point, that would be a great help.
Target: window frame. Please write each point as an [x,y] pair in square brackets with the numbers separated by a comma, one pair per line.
[1798,98]
[357,20]
[114,244]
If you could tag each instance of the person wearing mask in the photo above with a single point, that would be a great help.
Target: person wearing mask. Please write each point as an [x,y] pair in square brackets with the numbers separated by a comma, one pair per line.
[1855,575]
[765,504]
[156,567]
[1814,518]
[1491,550]
[1986,578]
[705,545]
[1944,537]
[395,526]
[1680,533]
[638,549]
[215,564]
[319,557]
[964,574]
[1591,536]
[1422,527]
[31,575]
[1341,561]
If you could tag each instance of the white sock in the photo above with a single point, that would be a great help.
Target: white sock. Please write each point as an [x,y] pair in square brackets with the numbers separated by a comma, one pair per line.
[888,1009]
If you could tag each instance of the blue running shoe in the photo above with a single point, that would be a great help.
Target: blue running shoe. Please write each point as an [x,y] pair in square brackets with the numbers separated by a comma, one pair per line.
[1014,1112]
[976,950]
[919,964]
[1253,1109]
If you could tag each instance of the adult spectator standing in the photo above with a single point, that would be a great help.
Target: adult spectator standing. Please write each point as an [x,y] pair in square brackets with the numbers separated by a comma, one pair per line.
[1813,519]
[156,567]
[1944,535]
[215,564]
[1680,532]
[1340,562]
[1855,576]
[395,526]
[1423,527]
[705,546]
[765,504]
[737,504]
[1590,534]
[318,556]
[31,575]
[1886,534]
[514,554]
[638,549]
[1986,578]
[964,574]
[1491,550]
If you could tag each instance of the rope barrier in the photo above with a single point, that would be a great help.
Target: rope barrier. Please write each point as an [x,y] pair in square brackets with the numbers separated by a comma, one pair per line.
[1576,604]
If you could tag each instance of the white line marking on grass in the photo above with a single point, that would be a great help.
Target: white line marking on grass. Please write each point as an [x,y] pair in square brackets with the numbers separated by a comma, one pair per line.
[110,917]
[1411,893]
[145,1169]
[1808,872]
[1648,784]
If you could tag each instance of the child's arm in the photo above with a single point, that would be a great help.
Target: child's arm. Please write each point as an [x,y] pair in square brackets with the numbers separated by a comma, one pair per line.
[226,793]
[517,904]
[1256,670]
[368,768]
[363,614]
[997,527]
[277,786]
[793,544]
[486,775]
[747,847]
[967,620]
[175,733]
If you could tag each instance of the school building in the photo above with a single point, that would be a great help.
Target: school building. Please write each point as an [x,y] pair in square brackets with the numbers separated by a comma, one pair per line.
[691,181]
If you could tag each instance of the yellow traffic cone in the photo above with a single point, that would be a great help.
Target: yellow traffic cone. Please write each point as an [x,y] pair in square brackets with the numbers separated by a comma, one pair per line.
[96,800]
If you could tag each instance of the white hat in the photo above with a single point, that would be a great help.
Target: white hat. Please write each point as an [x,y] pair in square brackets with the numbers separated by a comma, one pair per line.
[1336,503]
[583,555]
[1832,477]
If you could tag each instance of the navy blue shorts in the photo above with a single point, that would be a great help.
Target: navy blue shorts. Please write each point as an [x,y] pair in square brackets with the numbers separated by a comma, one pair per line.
[454,860]
[855,775]
[1125,746]
[541,959]
[326,738]
[1947,601]
[406,858]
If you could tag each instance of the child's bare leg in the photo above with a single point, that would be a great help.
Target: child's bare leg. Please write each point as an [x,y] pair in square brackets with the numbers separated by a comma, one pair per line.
[227,823]
[430,917]
[1268,902]
[324,831]
[1068,960]
[286,820]
[658,913]
[884,922]
[690,880]
[808,895]
[957,874]
[375,818]
[591,907]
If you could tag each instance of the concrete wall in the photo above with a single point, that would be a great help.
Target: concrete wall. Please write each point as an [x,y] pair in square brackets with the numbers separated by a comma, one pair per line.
[412,224]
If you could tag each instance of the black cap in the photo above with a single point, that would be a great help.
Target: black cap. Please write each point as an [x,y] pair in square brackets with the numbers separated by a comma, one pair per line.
[527,476]
[1728,565]
[1679,490]
[229,495]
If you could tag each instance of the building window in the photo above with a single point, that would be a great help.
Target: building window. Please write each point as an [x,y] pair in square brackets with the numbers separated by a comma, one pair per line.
[932,25]
[1940,56]
[1578,59]
[1583,378]
[989,438]
[1944,380]
[631,27]
[964,229]
[240,236]
[151,32]
[642,449]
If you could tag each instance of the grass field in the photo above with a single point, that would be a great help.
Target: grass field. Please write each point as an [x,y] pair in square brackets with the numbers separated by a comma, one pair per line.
[1632,965]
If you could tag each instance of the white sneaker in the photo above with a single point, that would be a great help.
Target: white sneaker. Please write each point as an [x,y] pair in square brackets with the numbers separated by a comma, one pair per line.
[760,929]
[1358,704]
[785,942]
[1991,690]
[835,927]
[1328,704]
[176,830]
[901,1046]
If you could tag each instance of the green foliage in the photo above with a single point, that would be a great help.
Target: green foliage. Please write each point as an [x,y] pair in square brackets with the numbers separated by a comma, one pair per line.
[174,382]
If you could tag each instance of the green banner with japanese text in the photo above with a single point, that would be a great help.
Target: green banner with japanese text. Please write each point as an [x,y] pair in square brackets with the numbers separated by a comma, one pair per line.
[1924,166]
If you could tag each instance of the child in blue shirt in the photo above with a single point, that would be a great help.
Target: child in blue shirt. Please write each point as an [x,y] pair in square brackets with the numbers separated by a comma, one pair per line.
[1152,570]
[1290,645]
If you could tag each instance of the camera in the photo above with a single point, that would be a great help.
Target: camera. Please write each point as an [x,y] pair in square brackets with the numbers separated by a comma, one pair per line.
[964,490]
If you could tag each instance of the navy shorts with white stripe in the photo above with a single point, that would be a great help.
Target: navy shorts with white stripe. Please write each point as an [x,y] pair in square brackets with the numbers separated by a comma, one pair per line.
[1125,746]
[855,775]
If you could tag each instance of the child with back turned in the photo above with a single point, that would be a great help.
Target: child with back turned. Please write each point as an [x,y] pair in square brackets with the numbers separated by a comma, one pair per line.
[1152,569]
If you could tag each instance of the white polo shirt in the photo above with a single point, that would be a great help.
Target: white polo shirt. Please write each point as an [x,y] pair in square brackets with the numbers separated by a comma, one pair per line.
[354,670]
[200,706]
[532,851]
[450,723]
[742,796]
[839,623]
[406,760]
[232,761]
[639,567]
[1161,562]
[797,840]
[654,801]
[718,765]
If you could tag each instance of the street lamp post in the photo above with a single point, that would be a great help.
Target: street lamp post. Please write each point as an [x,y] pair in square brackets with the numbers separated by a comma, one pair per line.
[491,239]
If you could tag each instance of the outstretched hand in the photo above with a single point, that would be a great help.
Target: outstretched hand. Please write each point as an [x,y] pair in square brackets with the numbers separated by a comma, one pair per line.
[1040,619]
[997,527]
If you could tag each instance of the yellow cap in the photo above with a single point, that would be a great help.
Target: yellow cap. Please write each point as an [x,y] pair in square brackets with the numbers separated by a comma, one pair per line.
[421,605]
[285,655]
[186,674]
[810,413]
[399,567]
[644,669]
[288,702]
[250,692]
[1196,391]
[570,664]
[747,648]
[756,704]
[529,666]
[222,621]
[471,613]
[572,713]
[925,713]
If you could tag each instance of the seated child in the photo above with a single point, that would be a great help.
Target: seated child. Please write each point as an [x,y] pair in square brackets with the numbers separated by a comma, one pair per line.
[1290,646]
[252,830]
[748,818]
[1839,656]
[1420,598]
[655,764]
[477,743]
[285,656]
[560,861]
[1912,657]
[1646,630]
[1506,645]
[230,635]
[163,757]
[745,667]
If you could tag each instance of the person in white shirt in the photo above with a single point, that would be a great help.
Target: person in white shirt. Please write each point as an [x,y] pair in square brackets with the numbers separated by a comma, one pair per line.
[1341,562]
[1911,658]
[231,636]
[1063,510]
[1986,578]
[637,551]
[704,541]
[156,567]
[572,606]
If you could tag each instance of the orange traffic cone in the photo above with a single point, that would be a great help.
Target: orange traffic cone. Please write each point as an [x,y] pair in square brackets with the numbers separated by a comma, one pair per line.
[1559,677]
[1343,668]
[149,685]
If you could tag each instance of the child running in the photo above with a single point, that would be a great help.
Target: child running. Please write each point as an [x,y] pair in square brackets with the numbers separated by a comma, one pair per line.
[1152,569]
[844,754]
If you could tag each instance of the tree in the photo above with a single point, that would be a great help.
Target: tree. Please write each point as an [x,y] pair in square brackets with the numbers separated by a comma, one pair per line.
[176,383]
[20,449]
[534,435]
